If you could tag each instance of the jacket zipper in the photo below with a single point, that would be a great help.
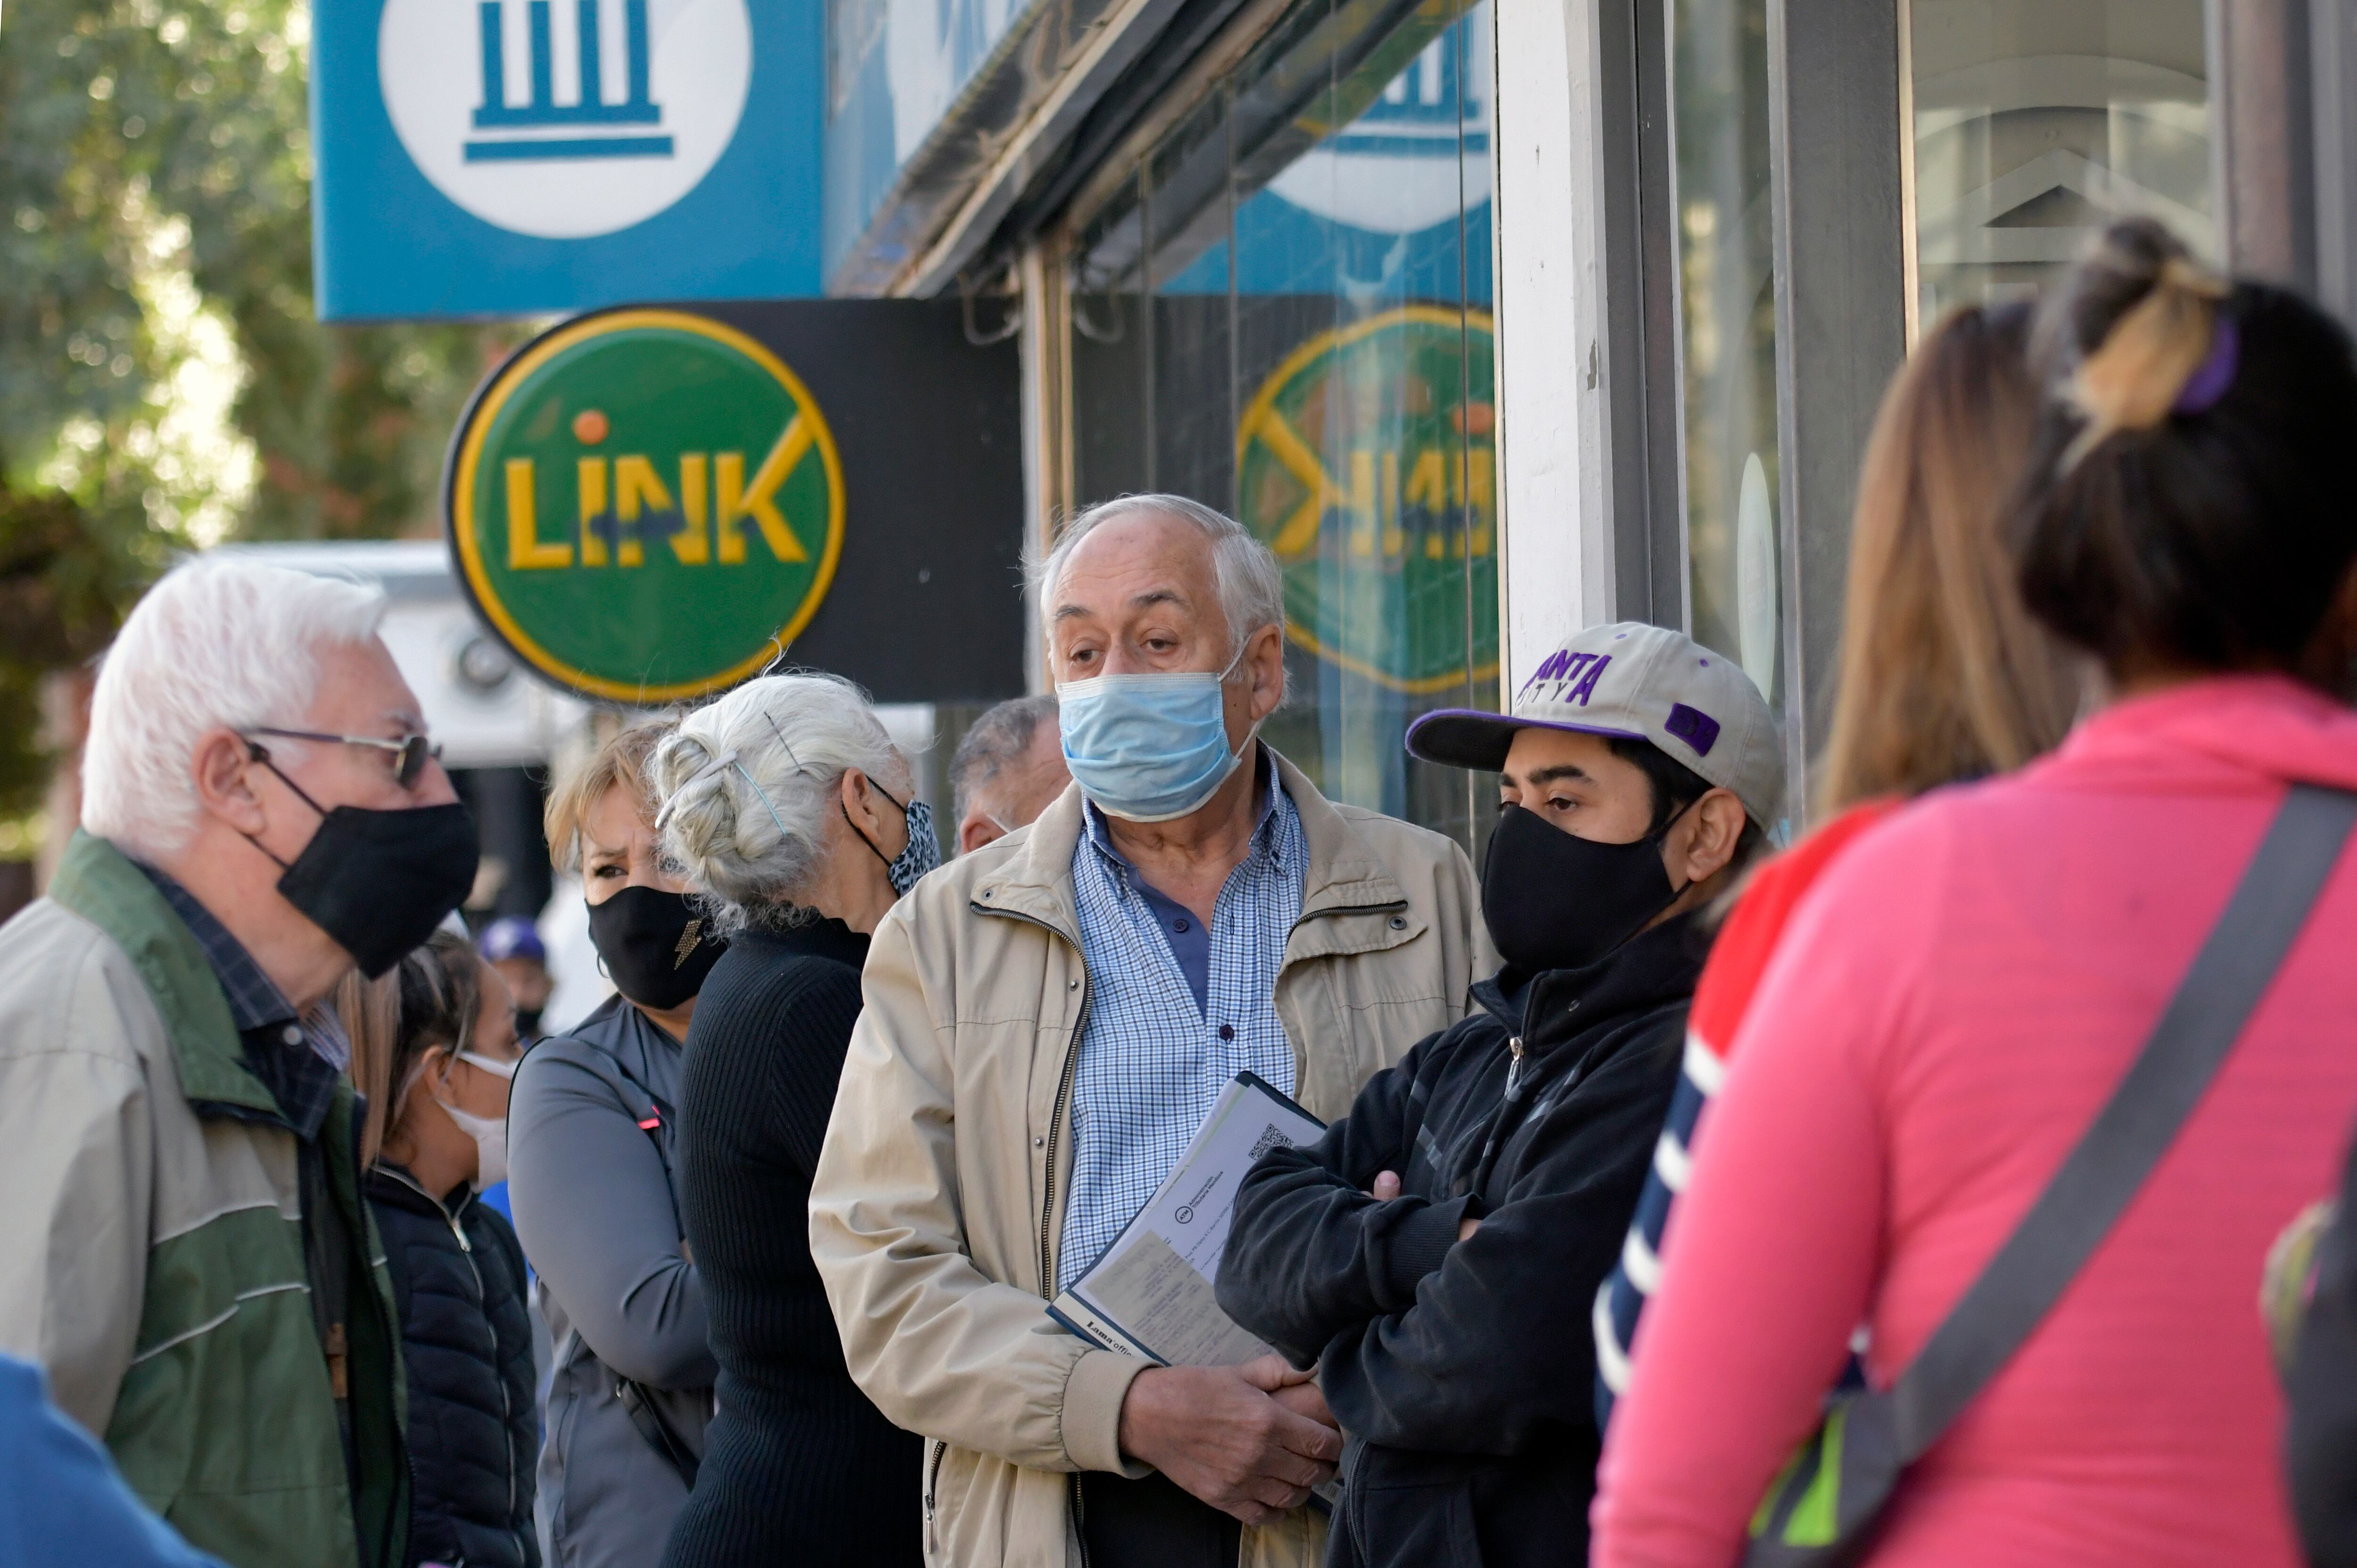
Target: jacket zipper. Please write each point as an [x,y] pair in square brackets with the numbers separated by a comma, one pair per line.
[507,1413]
[1514,1071]
[933,1484]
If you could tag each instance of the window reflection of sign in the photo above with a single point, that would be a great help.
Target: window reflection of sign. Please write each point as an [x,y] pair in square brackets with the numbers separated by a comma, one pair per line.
[1417,155]
[543,113]
[1368,462]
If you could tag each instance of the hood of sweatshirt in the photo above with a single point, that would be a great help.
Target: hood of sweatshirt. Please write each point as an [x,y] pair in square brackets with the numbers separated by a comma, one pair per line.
[2230,734]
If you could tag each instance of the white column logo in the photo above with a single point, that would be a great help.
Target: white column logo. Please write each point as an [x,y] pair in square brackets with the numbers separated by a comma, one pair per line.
[565,120]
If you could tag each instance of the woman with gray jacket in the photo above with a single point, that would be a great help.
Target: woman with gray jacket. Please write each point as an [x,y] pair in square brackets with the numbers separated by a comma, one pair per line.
[592,1177]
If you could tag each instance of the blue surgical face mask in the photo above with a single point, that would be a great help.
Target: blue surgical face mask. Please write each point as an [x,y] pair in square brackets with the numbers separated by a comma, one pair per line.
[1148,747]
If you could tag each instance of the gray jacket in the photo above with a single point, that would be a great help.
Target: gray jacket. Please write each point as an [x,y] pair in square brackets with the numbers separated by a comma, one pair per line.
[595,1210]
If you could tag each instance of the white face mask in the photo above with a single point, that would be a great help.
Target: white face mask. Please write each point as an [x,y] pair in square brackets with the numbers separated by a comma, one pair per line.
[491,1135]
[491,1143]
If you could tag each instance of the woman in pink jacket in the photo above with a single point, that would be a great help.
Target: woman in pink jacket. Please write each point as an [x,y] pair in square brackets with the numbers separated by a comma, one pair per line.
[1969,982]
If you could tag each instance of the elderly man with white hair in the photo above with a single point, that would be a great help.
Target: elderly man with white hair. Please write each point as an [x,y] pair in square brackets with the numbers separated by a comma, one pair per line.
[188,1251]
[1049,1019]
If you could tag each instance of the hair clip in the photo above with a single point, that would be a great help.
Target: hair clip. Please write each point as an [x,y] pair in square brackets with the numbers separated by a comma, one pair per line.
[782,741]
[2215,374]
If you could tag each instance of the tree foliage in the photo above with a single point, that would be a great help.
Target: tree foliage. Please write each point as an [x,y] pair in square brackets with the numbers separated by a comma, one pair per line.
[163,384]
[155,233]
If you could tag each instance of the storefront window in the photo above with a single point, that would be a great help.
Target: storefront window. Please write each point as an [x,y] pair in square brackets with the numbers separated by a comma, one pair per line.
[2037,121]
[1727,321]
[1285,314]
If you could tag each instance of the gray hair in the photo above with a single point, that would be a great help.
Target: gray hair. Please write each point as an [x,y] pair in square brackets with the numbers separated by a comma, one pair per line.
[999,738]
[220,643]
[1252,589]
[744,785]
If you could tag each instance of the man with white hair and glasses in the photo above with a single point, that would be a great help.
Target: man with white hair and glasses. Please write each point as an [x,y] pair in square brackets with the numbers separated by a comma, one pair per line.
[188,1254]
[1049,1019]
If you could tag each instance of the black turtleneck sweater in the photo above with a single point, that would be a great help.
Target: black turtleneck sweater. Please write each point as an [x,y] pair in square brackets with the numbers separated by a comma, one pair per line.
[799,1468]
[1463,1371]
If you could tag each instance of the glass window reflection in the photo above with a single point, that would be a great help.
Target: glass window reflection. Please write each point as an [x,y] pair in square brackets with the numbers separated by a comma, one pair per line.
[1726,323]
[1285,313]
[2037,121]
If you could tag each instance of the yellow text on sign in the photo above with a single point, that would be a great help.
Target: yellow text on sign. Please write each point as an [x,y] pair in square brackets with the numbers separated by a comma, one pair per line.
[632,487]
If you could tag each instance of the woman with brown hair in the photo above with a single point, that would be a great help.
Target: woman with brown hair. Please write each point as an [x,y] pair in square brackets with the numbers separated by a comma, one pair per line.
[594,1185]
[1944,677]
[434,1047]
[1975,984]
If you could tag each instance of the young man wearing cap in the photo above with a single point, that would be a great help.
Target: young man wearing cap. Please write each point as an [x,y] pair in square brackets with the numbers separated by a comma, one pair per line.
[1434,1254]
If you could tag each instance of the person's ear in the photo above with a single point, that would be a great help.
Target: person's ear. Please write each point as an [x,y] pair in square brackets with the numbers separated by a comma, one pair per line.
[435,1066]
[1264,658]
[861,804]
[1713,827]
[975,832]
[223,770]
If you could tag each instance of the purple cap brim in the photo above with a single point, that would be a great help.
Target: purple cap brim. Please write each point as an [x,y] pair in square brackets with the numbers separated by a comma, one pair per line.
[1470,737]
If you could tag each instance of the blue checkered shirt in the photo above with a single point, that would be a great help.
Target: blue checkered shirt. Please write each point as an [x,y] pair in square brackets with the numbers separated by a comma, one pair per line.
[1152,1060]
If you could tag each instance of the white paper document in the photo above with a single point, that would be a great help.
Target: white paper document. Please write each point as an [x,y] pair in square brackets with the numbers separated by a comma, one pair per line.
[1150,1295]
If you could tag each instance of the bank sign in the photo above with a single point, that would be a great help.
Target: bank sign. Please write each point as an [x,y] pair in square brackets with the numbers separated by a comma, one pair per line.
[646,506]
[495,157]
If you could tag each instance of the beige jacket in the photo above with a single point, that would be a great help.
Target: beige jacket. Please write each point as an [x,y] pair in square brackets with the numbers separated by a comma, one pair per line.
[937,1204]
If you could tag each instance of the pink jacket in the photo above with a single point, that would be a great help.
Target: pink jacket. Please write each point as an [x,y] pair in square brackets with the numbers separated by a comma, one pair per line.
[1948,1009]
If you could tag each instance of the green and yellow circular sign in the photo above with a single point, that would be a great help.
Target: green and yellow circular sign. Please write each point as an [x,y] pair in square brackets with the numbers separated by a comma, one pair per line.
[1368,461]
[645,505]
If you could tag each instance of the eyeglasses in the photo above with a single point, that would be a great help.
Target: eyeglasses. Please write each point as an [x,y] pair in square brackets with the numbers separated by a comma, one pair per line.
[411,753]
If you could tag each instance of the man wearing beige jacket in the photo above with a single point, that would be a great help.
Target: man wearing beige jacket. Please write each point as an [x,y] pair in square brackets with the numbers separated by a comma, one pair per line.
[1049,1019]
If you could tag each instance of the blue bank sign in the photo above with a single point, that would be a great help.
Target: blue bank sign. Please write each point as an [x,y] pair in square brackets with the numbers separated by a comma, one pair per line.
[484,158]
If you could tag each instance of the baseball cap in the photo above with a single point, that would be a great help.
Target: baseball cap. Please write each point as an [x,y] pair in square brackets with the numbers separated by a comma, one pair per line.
[1643,682]
[510,935]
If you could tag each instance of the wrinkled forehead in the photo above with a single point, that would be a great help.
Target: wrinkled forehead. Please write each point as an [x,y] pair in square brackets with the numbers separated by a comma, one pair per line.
[1134,564]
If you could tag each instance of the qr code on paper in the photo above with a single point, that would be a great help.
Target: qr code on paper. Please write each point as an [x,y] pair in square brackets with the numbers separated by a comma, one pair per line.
[1270,1136]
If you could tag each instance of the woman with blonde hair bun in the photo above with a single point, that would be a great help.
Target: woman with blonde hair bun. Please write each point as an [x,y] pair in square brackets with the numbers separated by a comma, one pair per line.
[1931,1125]
[793,818]
[1944,677]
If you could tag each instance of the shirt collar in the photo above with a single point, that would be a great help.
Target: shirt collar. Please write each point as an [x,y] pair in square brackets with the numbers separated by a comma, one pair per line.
[254,1000]
[1265,839]
[298,1059]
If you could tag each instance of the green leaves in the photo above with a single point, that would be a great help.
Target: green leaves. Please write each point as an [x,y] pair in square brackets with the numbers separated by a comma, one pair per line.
[158,359]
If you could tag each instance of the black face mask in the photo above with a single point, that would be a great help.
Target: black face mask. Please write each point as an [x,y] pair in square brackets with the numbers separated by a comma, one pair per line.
[1553,901]
[655,946]
[527,1023]
[380,882]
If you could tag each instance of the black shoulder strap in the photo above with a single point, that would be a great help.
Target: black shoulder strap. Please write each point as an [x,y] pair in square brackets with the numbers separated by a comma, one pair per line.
[2137,1123]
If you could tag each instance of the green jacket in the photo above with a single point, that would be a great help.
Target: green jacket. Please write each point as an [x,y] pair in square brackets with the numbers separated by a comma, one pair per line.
[153,1229]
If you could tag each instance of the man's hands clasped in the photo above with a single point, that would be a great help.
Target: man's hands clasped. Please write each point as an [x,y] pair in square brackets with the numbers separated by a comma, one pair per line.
[1250,1440]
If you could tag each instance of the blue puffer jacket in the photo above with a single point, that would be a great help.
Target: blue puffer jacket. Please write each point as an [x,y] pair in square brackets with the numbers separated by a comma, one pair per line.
[466,1339]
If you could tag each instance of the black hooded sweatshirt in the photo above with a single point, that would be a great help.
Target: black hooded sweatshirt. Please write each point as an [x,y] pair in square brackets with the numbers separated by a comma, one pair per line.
[1463,1373]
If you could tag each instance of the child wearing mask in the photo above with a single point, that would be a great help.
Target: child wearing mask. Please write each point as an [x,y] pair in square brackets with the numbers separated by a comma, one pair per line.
[434,1047]
[1433,1253]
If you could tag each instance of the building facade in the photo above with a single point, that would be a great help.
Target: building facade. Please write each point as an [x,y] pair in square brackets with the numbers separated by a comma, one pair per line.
[1498,317]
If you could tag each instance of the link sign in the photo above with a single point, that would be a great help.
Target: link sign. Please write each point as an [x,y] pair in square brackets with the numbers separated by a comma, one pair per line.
[645,505]
[1368,462]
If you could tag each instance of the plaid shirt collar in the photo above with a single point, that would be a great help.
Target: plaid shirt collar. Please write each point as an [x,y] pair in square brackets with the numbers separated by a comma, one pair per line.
[298,1059]
[1267,842]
